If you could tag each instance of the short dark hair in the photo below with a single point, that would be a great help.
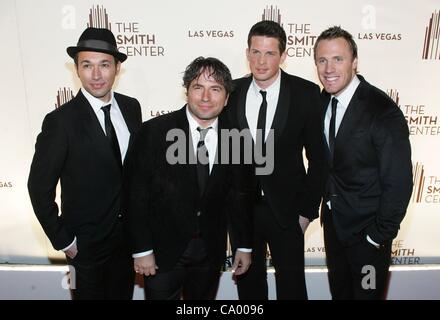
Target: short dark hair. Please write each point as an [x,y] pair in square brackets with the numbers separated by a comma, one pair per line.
[337,32]
[217,69]
[271,29]
[75,59]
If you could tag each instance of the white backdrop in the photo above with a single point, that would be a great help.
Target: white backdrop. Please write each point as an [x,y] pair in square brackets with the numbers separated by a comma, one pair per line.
[163,37]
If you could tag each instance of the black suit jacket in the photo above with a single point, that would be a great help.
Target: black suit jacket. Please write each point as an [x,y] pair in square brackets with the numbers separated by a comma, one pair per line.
[290,189]
[370,181]
[72,148]
[164,204]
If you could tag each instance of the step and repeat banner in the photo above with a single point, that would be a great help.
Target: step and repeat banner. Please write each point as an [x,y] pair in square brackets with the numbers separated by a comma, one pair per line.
[399,52]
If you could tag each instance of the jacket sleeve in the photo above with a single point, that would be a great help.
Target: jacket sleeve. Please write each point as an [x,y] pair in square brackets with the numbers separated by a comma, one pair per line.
[50,153]
[240,207]
[314,150]
[391,141]
[139,168]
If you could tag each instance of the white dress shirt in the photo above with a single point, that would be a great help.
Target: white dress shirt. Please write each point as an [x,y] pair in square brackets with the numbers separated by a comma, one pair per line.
[117,119]
[344,99]
[253,103]
[211,138]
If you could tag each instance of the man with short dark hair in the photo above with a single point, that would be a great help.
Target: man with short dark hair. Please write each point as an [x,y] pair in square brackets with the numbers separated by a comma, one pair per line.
[83,145]
[282,110]
[368,171]
[177,216]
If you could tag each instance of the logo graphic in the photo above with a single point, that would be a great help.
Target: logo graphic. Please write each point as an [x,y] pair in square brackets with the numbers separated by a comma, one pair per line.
[402,255]
[394,95]
[64,95]
[300,38]
[130,39]
[272,13]
[418,182]
[98,18]
[431,47]
[421,120]
[426,188]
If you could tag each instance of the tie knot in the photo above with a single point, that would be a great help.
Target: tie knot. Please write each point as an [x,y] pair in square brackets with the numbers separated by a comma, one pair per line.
[263,93]
[203,132]
[106,108]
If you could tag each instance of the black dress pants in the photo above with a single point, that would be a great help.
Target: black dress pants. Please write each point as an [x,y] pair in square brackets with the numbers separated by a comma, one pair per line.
[194,277]
[357,271]
[103,271]
[287,252]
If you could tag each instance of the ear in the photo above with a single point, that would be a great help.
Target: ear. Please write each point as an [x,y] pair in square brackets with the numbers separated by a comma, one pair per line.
[354,66]
[247,53]
[226,100]
[118,67]
[283,57]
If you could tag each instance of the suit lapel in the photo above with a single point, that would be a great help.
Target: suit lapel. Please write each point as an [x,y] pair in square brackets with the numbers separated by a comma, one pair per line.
[189,169]
[282,109]
[89,120]
[129,118]
[325,100]
[351,116]
[218,170]
[241,104]
[93,129]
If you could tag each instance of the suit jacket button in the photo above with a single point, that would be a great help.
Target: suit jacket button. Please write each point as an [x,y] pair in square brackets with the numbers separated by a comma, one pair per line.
[199,213]
[119,216]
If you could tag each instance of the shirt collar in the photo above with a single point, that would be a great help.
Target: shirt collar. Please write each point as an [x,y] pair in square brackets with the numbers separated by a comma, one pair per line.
[193,124]
[96,103]
[273,89]
[345,96]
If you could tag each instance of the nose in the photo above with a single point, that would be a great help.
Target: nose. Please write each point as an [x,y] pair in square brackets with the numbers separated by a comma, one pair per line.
[205,95]
[96,73]
[261,59]
[329,67]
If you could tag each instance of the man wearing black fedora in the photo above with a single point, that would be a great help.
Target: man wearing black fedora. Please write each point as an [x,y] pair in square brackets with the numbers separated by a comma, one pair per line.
[83,145]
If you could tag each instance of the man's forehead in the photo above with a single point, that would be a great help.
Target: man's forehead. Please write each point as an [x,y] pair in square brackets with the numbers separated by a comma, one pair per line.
[206,75]
[93,55]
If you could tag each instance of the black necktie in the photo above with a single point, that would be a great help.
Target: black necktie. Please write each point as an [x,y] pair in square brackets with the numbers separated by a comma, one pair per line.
[111,133]
[260,142]
[332,128]
[261,123]
[202,160]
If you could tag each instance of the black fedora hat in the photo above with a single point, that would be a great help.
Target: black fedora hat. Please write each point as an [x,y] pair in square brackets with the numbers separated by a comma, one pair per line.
[99,40]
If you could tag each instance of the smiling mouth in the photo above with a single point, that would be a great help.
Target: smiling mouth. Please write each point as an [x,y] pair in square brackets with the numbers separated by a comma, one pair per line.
[331,79]
[97,85]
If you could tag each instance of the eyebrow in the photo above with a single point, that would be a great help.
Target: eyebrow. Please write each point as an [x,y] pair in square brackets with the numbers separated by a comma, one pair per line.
[209,87]
[88,61]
